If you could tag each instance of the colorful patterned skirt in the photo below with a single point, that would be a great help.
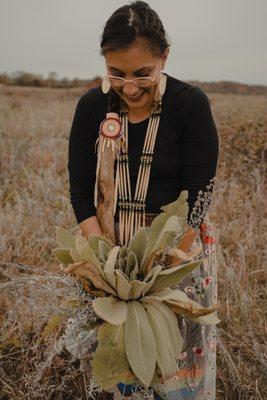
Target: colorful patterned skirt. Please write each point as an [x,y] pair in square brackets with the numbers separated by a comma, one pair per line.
[196,365]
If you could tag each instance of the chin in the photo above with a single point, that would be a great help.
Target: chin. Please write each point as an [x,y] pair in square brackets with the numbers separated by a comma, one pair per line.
[139,103]
[144,101]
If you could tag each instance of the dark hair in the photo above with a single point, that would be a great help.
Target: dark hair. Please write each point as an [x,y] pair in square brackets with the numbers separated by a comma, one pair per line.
[127,24]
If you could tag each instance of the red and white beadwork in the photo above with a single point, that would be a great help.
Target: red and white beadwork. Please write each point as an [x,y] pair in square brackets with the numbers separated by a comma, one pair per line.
[111,127]
[207,239]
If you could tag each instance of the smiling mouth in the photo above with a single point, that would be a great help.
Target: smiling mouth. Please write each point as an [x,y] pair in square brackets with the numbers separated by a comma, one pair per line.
[136,98]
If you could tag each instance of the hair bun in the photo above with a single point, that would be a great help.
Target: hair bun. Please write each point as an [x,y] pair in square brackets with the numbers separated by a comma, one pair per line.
[133,21]
[139,4]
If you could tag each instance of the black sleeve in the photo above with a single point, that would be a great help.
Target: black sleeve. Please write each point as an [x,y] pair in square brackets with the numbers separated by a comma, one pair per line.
[200,151]
[82,159]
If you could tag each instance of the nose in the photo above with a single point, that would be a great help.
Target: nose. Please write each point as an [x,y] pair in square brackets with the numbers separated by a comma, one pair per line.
[130,89]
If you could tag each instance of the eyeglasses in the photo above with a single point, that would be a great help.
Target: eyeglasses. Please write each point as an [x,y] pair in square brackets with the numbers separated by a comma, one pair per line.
[142,81]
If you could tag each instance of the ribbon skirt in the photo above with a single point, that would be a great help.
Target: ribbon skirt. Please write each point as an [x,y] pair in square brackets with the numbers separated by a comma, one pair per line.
[196,366]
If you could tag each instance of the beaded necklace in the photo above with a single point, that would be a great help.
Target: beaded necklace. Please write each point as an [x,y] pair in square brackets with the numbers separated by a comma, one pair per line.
[114,132]
[132,210]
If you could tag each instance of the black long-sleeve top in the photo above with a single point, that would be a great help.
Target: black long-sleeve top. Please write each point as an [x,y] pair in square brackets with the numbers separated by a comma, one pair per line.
[185,153]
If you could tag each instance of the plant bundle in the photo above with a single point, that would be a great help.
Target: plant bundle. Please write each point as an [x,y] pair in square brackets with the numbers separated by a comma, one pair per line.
[138,338]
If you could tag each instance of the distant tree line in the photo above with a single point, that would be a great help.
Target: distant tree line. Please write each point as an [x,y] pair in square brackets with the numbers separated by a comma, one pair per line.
[22,78]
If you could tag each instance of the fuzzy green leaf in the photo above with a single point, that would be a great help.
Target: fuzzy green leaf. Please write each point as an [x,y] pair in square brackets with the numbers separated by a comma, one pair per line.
[64,239]
[137,288]
[138,243]
[172,276]
[85,269]
[152,275]
[63,255]
[179,301]
[103,250]
[110,309]
[171,324]
[85,251]
[140,343]
[93,241]
[122,258]
[165,238]
[153,234]
[168,294]
[167,233]
[110,364]
[190,308]
[209,319]
[80,243]
[75,256]
[132,265]
[168,238]
[123,287]
[165,354]
[178,207]
[109,267]
[122,264]
[123,252]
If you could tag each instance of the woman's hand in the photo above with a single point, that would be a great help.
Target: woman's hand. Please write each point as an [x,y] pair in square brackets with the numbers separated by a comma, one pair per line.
[90,225]
[185,245]
[188,239]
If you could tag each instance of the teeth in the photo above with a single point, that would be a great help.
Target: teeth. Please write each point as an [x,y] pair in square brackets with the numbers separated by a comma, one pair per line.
[132,98]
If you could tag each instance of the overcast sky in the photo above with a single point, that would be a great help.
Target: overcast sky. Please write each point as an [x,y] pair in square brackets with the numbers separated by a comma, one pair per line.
[211,40]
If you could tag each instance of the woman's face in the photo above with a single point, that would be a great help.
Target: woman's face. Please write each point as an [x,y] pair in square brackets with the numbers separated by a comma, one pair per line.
[136,61]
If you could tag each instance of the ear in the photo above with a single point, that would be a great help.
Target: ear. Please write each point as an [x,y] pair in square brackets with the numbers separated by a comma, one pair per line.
[165,56]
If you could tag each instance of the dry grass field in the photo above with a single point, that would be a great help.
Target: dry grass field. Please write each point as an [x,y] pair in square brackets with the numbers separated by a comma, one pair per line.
[34,129]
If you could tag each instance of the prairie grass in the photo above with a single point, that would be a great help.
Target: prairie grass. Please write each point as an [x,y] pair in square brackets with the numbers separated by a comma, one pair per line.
[34,130]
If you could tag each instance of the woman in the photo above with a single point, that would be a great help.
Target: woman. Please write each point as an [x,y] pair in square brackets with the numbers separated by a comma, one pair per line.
[184,156]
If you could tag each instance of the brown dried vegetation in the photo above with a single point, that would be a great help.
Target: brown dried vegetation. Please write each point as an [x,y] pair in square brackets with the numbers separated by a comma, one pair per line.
[34,129]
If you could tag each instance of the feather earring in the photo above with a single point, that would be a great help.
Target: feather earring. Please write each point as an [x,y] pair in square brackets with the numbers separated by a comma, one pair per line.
[105,85]
[161,87]
[162,84]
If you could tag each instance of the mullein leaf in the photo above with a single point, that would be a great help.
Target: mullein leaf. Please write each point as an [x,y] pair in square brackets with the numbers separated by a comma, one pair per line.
[171,324]
[132,265]
[94,240]
[64,239]
[172,276]
[110,309]
[109,267]
[63,255]
[138,243]
[103,250]
[123,287]
[137,288]
[140,343]
[165,354]
[110,364]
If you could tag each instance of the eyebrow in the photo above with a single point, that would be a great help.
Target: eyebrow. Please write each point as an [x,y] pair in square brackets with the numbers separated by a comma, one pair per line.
[138,70]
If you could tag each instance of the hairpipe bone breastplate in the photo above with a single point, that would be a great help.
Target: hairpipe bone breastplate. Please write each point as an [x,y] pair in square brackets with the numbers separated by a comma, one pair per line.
[132,209]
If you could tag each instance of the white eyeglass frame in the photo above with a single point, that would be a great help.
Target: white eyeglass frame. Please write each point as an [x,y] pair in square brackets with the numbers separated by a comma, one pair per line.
[134,80]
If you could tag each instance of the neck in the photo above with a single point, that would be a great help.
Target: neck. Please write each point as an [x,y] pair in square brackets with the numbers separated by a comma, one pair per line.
[135,116]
